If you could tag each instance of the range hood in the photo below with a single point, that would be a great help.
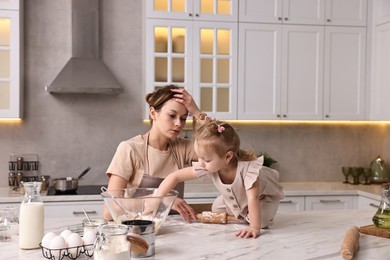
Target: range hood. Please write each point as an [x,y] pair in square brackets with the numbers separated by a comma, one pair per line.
[85,72]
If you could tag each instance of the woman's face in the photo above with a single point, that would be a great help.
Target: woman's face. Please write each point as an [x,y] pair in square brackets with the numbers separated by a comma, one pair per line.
[171,119]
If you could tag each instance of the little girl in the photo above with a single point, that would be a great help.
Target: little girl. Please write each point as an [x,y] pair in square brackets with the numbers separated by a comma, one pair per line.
[249,190]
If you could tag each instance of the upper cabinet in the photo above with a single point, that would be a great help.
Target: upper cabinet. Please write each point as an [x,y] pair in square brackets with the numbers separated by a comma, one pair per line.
[198,54]
[10,59]
[283,11]
[346,12]
[201,10]
[315,12]
[293,67]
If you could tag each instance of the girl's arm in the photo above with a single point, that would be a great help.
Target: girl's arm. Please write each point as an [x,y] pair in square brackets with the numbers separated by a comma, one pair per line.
[187,213]
[254,213]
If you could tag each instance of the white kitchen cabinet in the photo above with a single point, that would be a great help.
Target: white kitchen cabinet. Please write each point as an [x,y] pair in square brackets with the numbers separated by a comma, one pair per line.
[368,203]
[380,91]
[328,202]
[283,11]
[381,11]
[346,12]
[70,209]
[292,203]
[10,59]
[280,72]
[344,73]
[314,12]
[200,56]
[200,10]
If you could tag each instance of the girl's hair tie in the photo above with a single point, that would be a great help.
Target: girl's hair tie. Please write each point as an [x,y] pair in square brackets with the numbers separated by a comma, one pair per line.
[220,128]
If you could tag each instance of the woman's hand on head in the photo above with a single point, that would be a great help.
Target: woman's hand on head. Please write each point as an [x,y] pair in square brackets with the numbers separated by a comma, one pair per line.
[185,210]
[182,96]
[248,232]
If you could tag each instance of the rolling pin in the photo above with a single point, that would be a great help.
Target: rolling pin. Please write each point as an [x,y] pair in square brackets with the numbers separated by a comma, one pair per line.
[215,217]
[350,243]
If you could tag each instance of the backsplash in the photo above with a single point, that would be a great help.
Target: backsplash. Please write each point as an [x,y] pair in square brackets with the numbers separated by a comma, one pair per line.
[73,132]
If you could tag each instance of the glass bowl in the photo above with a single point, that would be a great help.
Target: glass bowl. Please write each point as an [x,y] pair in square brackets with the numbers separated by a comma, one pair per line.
[139,203]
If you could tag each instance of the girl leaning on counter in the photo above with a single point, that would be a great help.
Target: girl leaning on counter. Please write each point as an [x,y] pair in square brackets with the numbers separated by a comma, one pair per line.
[145,160]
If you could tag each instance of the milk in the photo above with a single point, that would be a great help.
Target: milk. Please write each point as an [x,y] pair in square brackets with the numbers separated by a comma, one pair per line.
[31,225]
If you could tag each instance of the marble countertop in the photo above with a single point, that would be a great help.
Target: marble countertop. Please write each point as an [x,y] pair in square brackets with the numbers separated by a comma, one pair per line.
[294,235]
[205,192]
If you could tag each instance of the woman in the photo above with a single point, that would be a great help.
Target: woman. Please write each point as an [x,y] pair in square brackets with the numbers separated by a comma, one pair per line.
[145,160]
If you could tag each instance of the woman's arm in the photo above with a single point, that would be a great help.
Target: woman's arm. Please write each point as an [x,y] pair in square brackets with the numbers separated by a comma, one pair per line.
[254,213]
[114,183]
[188,173]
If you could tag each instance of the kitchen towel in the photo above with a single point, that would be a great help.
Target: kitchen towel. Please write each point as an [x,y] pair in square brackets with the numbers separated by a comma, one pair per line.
[350,243]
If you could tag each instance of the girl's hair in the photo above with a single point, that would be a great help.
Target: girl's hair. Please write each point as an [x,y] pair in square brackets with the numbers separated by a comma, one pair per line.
[222,138]
[159,97]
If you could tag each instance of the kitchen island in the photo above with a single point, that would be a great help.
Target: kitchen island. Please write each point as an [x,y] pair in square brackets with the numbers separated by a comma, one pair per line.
[294,235]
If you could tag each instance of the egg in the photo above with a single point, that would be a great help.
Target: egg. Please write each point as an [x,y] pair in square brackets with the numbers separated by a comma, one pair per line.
[57,246]
[89,239]
[65,233]
[47,238]
[75,243]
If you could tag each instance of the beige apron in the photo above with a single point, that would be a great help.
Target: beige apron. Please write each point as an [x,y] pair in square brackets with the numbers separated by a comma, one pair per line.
[148,181]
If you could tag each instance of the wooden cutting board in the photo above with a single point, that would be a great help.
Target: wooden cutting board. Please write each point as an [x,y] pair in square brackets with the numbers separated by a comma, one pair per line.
[375,231]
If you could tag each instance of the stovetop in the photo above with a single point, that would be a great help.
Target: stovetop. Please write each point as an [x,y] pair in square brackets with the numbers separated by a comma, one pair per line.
[81,190]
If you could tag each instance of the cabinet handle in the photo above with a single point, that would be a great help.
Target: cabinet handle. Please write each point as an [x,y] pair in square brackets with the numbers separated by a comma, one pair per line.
[189,14]
[82,213]
[286,201]
[373,205]
[328,20]
[284,115]
[286,18]
[197,15]
[277,115]
[327,116]
[279,18]
[330,201]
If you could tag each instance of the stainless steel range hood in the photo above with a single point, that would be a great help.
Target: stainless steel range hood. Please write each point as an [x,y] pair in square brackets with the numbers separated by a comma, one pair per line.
[85,72]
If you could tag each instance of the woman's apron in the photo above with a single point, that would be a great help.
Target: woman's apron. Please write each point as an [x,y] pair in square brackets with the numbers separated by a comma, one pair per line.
[149,181]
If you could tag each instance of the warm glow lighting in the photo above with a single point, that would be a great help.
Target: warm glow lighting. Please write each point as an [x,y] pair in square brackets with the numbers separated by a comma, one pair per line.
[293,122]
[5,27]
[10,120]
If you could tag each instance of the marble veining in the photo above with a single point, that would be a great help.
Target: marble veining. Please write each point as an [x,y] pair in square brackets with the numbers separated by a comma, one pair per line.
[294,235]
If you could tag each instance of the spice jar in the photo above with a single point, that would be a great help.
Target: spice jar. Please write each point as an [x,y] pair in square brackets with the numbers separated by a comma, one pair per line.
[381,218]
[111,243]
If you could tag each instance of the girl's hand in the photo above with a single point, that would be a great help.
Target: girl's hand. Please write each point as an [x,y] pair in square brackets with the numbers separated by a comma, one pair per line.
[182,96]
[185,210]
[248,232]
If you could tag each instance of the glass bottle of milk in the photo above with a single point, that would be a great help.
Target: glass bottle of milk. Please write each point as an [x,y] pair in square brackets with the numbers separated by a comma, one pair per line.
[31,217]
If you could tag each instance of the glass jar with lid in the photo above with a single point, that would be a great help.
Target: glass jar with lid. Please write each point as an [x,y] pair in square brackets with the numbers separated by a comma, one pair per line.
[111,243]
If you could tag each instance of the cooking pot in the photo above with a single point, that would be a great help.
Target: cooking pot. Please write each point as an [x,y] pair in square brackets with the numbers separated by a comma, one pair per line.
[68,184]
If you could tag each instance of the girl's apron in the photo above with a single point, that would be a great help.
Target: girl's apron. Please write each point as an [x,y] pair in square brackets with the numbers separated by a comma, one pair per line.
[149,181]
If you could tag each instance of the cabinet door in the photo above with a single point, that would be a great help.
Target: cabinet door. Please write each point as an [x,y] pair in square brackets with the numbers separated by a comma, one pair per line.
[263,11]
[346,12]
[328,202]
[292,203]
[344,88]
[168,54]
[381,11]
[380,95]
[215,68]
[302,72]
[304,12]
[10,4]
[259,71]
[202,10]
[73,209]
[367,203]
[10,70]
[172,9]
